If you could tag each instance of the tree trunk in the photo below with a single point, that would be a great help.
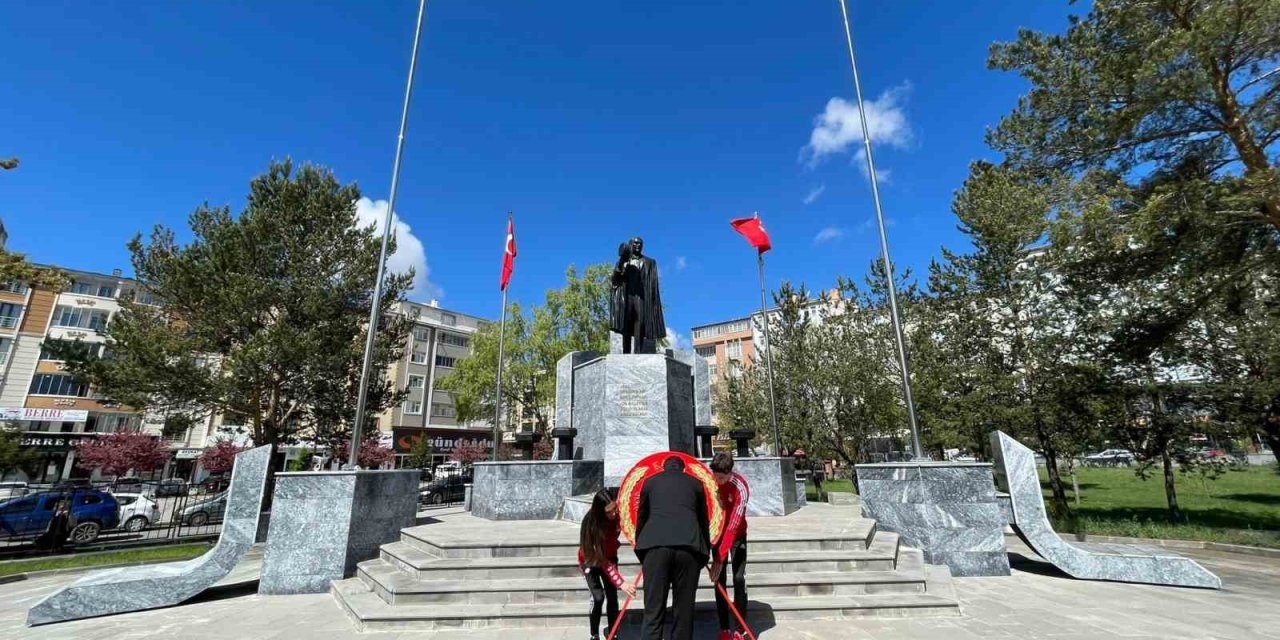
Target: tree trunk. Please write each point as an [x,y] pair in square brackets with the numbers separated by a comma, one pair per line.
[1170,491]
[1055,478]
[1075,487]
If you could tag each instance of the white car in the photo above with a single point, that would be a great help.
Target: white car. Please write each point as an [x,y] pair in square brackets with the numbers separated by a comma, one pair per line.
[1110,458]
[137,511]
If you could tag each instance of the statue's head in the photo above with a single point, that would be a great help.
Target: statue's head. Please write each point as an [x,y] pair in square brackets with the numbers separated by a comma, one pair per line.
[637,246]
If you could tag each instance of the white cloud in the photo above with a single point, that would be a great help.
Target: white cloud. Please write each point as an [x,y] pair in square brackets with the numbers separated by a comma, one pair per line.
[860,159]
[828,234]
[409,250]
[681,263]
[814,194]
[838,127]
[676,340]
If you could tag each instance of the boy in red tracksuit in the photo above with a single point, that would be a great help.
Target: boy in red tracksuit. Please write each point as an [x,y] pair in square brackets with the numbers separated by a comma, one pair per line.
[733,493]
[598,558]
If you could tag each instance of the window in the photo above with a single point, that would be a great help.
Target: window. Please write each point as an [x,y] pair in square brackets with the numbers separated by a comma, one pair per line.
[418,357]
[422,333]
[416,382]
[9,314]
[98,320]
[711,371]
[454,339]
[64,316]
[13,286]
[733,349]
[448,319]
[414,407]
[46,353]
[708,351]
[56,384]
[82,287]
[443,411]
[125,501]
[445,361]
[106,291]
[717,329]
[5,345]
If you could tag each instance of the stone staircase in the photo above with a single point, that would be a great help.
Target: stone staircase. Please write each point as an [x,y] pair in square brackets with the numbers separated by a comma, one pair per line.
[464,572]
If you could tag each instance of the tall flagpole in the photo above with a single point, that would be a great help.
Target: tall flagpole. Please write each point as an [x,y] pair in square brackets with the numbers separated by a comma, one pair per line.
[768,355]
[374,311]
[884,247]
[502,339]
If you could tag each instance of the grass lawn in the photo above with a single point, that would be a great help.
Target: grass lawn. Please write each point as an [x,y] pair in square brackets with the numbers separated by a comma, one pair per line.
[169,552]
[1241,507]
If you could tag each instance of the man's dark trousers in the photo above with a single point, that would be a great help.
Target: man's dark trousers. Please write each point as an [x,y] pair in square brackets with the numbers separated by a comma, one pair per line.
[680,569]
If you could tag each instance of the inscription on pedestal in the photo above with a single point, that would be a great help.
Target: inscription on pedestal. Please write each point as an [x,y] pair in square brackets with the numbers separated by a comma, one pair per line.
[632,403]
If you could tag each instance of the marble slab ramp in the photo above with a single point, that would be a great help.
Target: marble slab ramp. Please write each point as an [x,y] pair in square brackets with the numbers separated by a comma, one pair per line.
[1015,470]
[161,585]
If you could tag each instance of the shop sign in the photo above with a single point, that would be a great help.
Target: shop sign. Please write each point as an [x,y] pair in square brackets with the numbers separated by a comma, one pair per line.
[442,440]
[187,454]
[53,442]
[49,415]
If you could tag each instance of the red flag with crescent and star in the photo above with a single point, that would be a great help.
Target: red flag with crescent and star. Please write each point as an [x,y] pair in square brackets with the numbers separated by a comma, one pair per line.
[509,254]
[753,230]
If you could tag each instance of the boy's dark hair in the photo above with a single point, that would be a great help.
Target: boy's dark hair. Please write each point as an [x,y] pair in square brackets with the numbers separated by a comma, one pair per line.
[674,463]
[722,463]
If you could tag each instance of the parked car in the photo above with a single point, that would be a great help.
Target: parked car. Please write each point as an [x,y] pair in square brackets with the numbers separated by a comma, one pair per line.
[1109,458]
[137,511]
[92,511]
[171,487]
[12,490]
[216,485]
[205,511]
[450,489]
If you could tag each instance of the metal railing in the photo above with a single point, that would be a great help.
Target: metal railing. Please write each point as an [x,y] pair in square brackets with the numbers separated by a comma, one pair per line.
[8,322]
[157,513]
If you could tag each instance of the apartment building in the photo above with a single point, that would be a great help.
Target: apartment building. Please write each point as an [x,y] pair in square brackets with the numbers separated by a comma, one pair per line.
[52,409]
[439,339]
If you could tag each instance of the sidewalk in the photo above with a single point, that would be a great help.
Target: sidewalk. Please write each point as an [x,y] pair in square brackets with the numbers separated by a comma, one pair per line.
[1035,603]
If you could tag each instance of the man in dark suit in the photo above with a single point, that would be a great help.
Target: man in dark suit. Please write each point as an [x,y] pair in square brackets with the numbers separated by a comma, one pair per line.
[673,543]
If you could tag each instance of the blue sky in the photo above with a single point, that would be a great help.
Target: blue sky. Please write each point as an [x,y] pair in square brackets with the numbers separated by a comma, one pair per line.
[592,121]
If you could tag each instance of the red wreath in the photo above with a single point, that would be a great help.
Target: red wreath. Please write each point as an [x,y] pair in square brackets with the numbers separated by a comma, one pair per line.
[633,482]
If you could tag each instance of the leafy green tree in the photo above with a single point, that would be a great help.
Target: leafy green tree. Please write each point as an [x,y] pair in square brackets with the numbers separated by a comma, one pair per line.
[1151,267]
[572,318]
[261,316]
[13,457]
[836,373]
[14,267]
[419,454]
[1136,83]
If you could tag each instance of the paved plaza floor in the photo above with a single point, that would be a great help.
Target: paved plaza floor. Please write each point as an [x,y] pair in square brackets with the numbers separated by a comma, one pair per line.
[1036,602]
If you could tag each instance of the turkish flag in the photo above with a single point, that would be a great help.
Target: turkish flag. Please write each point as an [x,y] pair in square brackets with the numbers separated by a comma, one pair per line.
[753,230]
[509,254]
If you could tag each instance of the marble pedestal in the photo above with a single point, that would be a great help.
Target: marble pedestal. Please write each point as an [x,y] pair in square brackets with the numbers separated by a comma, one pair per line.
[773,485]
[948,510]
[323,523]
[626,407]
[531,490]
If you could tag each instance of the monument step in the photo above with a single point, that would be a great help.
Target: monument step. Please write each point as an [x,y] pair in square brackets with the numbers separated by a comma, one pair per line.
[396,587]
[372,613]
[881,555]
[857,535]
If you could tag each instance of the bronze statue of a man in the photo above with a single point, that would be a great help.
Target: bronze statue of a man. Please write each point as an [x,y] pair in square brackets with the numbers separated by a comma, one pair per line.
[636,306]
